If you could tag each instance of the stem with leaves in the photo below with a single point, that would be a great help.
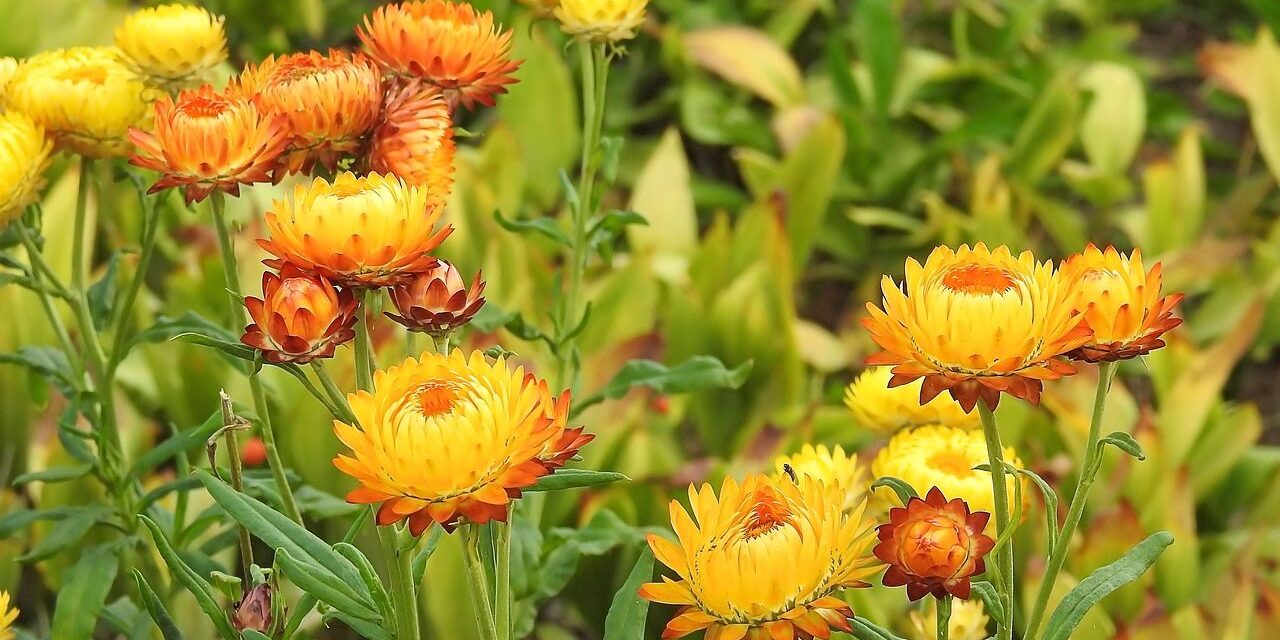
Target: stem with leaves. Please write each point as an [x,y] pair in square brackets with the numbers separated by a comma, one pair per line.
[1004,557]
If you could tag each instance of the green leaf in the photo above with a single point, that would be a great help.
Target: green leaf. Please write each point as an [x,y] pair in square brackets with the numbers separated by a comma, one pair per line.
[1050,504]
[49,362]
[904,491]
[250,634]
[156,608]
[696,373]
[196,585]
[990,599]
[1124,442]
[627,613]
[370,630]
[1047,132]
[55,474]
[71,437]
[84,591]
[864,629]
[419,567]
[18,519]
[1102,582]
[179,442]
[371,580]
[576,479]
[68,532]
[879,43]
[102,294]
[546,226]
[307,578]
[195,328]
[606,229]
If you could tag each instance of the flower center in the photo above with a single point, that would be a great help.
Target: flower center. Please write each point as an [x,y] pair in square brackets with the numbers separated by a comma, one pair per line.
[435,398]
[342,190]
[202,107]
[303,69]
[952,463]
[977,279]
[768,513]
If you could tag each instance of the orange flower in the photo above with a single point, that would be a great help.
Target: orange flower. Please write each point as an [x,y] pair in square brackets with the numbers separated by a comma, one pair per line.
[299,317]
[207,141]
[415,138]
[331,102]
[1120,301]
[451,46]
[438,301]
[933,546]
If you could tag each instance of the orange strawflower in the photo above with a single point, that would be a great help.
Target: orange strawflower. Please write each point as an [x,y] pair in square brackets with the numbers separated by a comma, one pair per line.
[415,138]
[1120,301]
[933,546]
[299,317]
[438,301]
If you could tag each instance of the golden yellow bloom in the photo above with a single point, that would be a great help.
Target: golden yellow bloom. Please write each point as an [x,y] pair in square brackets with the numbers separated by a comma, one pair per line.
[942,457]
[415,139]
[541,8]
[1120,300]
[601,20]
[449,45]
[24,155]
[173,46]
[762,560]
[8,67]
[299,317]
[7,616]
[207,141]
[448,439]
[976,323]
[367,231]
[830,466]
[85,97]
[330,101]
[933,545]
[438,301]
[968,621]
[879,407]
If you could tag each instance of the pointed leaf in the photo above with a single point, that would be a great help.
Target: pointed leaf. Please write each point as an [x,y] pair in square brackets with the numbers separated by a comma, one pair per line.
[576,479]
[1102,582]
[904,491]
[156,608]
[84,592]
[196,585]
[627,613]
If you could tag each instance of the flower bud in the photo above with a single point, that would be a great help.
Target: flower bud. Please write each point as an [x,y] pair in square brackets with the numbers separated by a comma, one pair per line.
[601,20]
[299,317]
[933,546]
[254,611]
[438,301]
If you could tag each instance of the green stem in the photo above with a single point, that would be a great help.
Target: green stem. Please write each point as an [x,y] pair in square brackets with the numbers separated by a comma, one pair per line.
[229,423]
[479,582]
[441,344]
[123,311]
[1004,559]
[336,397]
[1088,473]
[82,200]
[41,269]
[502,578]
[411,344]
[944,617]
[364,368]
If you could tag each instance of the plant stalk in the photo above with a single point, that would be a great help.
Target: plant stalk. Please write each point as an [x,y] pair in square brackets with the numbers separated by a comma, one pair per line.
[229,423]
[944,617]
[478,580]
[1000,490]
[502,577]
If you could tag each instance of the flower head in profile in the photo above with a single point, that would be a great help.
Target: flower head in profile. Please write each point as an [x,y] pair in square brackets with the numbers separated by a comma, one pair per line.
[8,614]
[85,97]
[830,466]
[414,139]
[541,8]
[762,559]
[205,141]
[24,155]
[446,44]
[1121,303]
[437,301]
[933,546]
[331,102]
[609,21]
[976,323]
[968,621]
[8,67]
[367,231]
[453,439]
[299,317]
[879,407]
[174,46]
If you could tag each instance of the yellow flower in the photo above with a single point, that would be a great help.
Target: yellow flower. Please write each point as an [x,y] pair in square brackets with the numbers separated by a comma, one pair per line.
[448,439]
[24,155]
[1120,300]
[7,616]
[8,67]
[601,20]
[968,621]
[368,231]
[174,46]
[942,457]
[830,466]
[415,138]
[879,407]
[85,97]
[762,560]
[976,323]
[541,8]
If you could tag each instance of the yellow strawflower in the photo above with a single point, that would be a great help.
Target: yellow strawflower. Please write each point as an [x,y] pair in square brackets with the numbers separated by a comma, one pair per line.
[173,46]
[831,466]
[601,20]
[7,616]
[1120,301]
[24,155]
[878,407]
[8,67]
[968,621]
[85,97]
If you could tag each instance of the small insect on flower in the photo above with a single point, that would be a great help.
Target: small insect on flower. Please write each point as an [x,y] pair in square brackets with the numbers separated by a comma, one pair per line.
[24,155]
[830,466]
[8,615]
[933,546]
[414,139]
[609,21]
[173,46]
[438,301]
[299,317]
[879,407]
[1121,303]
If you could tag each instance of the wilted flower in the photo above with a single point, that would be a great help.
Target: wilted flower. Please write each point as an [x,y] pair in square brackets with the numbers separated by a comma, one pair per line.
[256,611]
[976,323]
[933,546]
[601,20]
[7,616]
[367,231]
[174,46]
[415,139]
[85,97]
[453,439]
[437,301]
[968,621]
[877,406]
[451,46]
[299,317]
[331,102]
[762,560]
[1121,303]
[831,466]
[24,155]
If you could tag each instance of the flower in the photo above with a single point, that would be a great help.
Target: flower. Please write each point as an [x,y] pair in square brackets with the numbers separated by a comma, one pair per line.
[415,139]
[601,20]
[879,407]
[453,439]
[968,621]
[762,560]
[174,46]
[367,231]
[933,546]
[943,457]
[7,616]
[331,102]
[8,67]
[1120,301]
[976,323]
[256,611]
[299,317]
[451,46]
[24,155]
[85,97]
[541,8]
[437,301]
[207,141]
[831,466]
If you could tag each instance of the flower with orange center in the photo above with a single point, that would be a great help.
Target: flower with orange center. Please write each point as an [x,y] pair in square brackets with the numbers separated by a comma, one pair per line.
[762,560]
[205,141]
[299,317]
[415,138]
[367,231]
[976,323]
[438,301]
[449,45]
[453,439]
[1120,301]
[331,102]
[933,546]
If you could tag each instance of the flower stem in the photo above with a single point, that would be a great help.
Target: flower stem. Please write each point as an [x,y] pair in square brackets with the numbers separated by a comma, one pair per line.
[944,617]
[364,367]
[336,397]
[229,423]
[1088,473]
[441,344]
[150,226]
[78,238]
[1004,558]
[502,578]
[39,271]
[479,582]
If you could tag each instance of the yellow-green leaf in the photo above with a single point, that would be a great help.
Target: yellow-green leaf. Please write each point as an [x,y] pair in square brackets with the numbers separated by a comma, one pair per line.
[749,59]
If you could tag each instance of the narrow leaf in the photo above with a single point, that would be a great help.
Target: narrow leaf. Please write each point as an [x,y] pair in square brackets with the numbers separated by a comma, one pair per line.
[696,373]
[1124,442]
[990,600]
[627,613]
[545,226]
[55,474]
[156,608]
[179,442]
[84,591]
[1102,582]
[196,585]
[576,479]
[864,629]
[67,532]
[307,579]
[904,491]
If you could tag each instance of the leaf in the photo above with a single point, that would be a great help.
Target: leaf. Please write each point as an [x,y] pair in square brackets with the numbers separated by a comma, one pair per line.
[68,532]
[864,629]
[102,294]
[18,519]
[371,580]
[1124,442]
[696,373]
[195,328]
[879,43]
[49,362]
[1050,505]
[84,591]
[71,437]
[250,634]
[1102,582]
[196,585]
[370,630]
[1047,131]
[576,479]
[1113,123]
[663,196]
[308,579]
[546,226]
[156,608]
[1253,73]
[606,228]
[990,599]
[419,566]
[750,59]
[55,474]
[179,442]
[627,613]
[904,491]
